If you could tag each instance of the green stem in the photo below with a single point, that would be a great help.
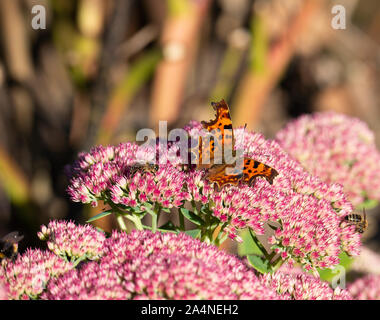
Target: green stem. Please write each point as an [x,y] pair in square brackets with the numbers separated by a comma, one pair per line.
[120,221]
[194,207]
[154,222]
[206,239]
[158,229]
[158,214]
[222,236]
[222,239]
[155,213]
[76,262]
[136,220]
[277,264]
[181,220]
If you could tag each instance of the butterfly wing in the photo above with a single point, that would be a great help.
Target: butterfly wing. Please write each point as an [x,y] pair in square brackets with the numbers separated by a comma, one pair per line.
[253,169]
[218,175]
[222,144]
[212,149]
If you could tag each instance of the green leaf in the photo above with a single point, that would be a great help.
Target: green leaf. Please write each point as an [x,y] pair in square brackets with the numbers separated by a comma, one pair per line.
[100,215]
[148,205]
[159,230]
[367,204]
[329,274]
[205,208]
[248,246]
[168,226]
[191,216]
[259,263]
[136,210]
[193,233]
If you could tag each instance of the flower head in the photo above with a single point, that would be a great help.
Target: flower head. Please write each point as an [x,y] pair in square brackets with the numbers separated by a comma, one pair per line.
[146,265]
[29,274]
[295,284]
[308,210]
[338,149]
[366,288]
[4,292]
[367,262]
[72,242]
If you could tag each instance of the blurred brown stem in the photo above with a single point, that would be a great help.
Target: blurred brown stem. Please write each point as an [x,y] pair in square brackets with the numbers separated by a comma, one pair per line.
[258,82]
[15,40]
[179,41]
[120,97]
[13,179]
[232,59]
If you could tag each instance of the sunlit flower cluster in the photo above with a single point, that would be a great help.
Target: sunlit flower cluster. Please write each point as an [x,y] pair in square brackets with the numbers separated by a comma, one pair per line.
[72,242]
[367,262]
[309,210]
[3,286]
[366,288]
[337,148]
[295,284]
[146,265]
[29,274]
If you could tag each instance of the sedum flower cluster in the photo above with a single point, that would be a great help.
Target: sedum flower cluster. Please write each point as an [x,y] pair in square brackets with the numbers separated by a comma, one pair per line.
[147,265]
[309,210]
[296,221]
[338,149]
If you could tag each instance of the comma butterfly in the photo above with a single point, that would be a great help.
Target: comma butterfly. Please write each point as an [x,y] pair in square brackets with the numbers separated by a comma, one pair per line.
[220,147]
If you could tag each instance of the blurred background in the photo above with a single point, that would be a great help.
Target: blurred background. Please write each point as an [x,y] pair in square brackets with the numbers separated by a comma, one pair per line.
[100,70]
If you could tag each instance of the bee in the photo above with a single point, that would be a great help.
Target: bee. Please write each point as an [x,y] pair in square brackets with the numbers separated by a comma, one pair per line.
[9,245]
[360,221]
[146,167]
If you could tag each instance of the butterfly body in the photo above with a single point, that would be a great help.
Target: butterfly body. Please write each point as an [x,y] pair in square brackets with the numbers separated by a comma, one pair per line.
[226,165]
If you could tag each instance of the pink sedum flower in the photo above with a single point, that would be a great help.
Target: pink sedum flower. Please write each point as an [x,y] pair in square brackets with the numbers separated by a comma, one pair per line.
[72,242]
[146,265]
[367,262]
[109,174]
[4,292]
[338,149]
[295,284]
[309,210]
[29,274]
[366,288]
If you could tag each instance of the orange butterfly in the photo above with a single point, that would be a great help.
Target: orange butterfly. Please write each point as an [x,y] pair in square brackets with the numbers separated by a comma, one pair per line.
[224,166]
